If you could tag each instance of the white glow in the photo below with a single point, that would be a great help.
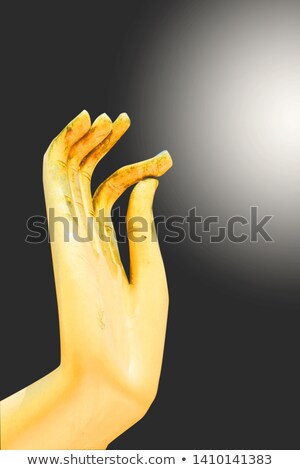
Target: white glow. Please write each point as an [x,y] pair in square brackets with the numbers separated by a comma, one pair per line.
[228,100]
[275,115]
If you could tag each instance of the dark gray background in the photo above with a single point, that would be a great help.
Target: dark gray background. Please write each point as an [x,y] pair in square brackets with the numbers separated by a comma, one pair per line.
[206,80]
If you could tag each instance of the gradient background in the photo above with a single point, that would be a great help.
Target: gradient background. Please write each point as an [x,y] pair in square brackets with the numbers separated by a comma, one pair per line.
[217,83]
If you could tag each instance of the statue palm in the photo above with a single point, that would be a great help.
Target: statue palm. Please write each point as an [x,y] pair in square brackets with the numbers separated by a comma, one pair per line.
[112,328]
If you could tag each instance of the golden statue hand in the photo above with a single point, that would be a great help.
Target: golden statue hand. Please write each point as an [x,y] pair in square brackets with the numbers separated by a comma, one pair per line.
[112,329]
